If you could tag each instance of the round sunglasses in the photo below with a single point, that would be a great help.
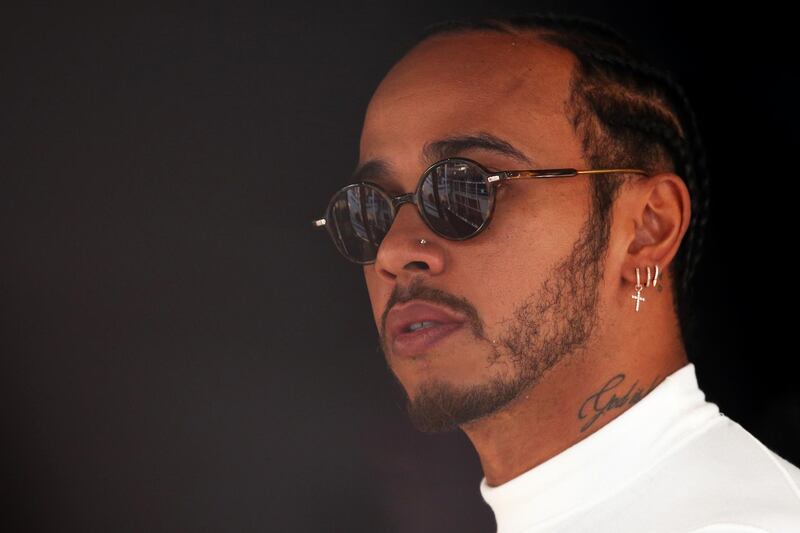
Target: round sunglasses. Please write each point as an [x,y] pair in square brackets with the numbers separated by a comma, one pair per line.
[455,198]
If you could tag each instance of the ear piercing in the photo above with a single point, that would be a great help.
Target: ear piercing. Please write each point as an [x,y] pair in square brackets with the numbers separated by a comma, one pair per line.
[638,288]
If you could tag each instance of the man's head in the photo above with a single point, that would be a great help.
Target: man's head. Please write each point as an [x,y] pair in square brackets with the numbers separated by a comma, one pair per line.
[546,280]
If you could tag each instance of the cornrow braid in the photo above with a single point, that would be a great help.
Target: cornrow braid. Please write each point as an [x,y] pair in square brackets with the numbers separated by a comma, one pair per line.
[687,151]
[628,113]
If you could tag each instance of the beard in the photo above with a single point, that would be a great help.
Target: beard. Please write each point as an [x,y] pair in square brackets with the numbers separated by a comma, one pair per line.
[549,324]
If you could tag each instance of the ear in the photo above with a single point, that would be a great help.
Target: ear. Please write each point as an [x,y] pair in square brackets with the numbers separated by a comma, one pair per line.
[661,213]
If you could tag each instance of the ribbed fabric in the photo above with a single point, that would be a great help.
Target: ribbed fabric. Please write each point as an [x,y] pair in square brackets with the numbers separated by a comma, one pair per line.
[670,463]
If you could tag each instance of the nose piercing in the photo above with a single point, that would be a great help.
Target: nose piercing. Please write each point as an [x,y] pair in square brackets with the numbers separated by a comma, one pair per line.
[422,241]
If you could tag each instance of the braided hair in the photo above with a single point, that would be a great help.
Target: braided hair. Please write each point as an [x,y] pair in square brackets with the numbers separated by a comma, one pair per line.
[627,113]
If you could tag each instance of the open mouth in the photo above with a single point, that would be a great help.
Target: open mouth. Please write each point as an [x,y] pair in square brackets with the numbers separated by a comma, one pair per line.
[422,336]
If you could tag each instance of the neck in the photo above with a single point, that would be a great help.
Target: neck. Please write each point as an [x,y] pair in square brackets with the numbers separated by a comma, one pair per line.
[573,399]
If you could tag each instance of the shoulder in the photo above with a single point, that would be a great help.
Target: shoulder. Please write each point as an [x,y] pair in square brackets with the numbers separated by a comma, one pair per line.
[732,483]
[719,479]
[729,528]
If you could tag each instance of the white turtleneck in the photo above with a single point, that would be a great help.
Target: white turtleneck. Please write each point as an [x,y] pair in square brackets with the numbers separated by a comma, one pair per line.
[670,463]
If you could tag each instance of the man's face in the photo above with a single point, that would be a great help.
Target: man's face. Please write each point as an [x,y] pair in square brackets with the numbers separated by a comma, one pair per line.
[529,282]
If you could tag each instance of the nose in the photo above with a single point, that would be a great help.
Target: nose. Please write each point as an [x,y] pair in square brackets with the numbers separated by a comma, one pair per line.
[401,254]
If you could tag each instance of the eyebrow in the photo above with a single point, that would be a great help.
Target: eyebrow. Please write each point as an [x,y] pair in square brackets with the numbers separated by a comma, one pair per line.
[381,171]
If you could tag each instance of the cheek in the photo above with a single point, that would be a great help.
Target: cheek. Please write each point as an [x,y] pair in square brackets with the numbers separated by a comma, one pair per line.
[518,239]
[508,276]
[376,297]
[525,241]
[537,221]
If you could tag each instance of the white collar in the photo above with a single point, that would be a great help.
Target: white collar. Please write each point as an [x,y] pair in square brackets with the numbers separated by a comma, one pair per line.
[600,464]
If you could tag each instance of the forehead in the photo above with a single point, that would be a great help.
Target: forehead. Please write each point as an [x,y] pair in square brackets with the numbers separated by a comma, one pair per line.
[513,86]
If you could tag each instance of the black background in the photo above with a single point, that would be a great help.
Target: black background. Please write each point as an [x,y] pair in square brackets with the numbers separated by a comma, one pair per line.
[181,351]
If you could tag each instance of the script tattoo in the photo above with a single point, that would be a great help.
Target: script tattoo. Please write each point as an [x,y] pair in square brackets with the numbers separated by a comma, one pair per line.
[597,398]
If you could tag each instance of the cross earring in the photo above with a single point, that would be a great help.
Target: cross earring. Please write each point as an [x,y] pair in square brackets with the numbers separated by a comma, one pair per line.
[638,288]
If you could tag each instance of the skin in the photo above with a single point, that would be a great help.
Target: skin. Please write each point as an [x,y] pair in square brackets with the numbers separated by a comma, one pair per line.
[553,349]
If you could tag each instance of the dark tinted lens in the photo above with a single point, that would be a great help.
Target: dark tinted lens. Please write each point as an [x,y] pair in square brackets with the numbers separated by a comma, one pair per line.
[359,219]
[455,198]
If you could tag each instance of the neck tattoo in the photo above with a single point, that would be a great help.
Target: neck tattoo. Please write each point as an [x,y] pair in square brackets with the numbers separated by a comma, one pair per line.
[601,404]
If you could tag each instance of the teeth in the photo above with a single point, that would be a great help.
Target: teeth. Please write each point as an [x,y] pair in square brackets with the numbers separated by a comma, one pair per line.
[420,325]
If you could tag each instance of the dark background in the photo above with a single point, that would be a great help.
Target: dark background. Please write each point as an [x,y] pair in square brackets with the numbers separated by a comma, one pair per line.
[181,351]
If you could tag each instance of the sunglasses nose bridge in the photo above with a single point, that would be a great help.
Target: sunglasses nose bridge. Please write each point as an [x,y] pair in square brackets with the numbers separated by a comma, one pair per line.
[407,198]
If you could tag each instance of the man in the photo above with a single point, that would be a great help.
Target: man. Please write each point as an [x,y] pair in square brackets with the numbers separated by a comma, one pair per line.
[543,312]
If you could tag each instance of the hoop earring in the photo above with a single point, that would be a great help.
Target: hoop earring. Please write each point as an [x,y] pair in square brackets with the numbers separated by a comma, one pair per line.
[638,288]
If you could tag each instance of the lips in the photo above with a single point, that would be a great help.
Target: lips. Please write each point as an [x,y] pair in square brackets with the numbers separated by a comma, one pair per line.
[404,315]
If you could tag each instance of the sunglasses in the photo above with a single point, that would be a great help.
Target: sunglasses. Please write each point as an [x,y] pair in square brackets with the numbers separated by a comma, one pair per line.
[455,198]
